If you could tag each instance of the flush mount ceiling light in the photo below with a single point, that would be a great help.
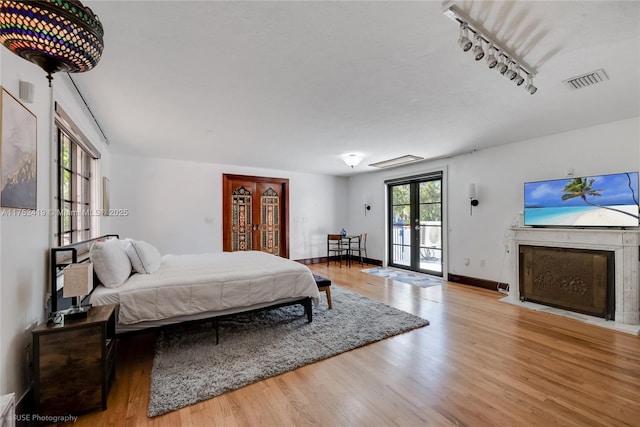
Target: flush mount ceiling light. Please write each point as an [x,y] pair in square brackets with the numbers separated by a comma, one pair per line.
[352,159]
[56,35]
[402,160]
[509,65]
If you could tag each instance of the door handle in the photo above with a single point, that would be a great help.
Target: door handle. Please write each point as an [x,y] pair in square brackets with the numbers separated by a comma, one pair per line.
[417,227]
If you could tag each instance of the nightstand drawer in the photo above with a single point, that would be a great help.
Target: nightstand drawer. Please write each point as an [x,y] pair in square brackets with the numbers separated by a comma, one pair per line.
[70,376]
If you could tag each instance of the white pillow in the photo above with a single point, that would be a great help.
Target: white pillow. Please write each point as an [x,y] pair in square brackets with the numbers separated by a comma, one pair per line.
[144,257]
[110,262]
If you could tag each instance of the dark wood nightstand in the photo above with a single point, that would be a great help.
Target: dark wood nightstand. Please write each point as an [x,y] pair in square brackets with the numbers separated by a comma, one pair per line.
[75,363]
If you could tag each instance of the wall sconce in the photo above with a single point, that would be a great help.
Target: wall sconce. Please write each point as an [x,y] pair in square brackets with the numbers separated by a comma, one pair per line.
[78,281]
[367,207]
[472,198]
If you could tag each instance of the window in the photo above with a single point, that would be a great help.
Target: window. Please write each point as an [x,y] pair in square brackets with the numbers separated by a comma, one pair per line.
[78,216]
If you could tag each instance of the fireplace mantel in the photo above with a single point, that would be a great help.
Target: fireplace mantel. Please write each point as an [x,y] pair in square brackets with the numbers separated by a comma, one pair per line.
[624,243]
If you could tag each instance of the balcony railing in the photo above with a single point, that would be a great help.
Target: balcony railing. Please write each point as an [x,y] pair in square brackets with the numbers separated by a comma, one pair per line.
[430,244]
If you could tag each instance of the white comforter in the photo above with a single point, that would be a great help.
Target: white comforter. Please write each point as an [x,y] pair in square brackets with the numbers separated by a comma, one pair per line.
[189,284]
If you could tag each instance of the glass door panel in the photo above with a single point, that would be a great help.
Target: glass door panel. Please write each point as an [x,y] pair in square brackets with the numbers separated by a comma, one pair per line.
[401,225]
[270,222]
[430,243]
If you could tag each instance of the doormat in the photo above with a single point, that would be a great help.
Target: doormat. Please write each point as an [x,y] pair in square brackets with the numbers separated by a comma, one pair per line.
[416,279]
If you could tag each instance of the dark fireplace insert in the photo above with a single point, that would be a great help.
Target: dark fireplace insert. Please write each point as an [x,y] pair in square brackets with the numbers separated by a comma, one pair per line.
[580,280]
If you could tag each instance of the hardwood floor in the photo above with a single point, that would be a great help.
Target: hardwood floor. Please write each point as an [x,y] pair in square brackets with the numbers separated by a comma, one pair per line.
[481,362]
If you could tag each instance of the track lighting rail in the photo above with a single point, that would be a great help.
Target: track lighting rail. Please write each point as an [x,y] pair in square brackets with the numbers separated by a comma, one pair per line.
[507,63]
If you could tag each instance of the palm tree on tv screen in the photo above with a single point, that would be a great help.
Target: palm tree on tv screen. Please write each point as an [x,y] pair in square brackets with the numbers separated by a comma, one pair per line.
[583,187]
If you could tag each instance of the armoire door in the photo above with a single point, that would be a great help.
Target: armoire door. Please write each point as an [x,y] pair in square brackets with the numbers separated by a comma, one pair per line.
[255,214]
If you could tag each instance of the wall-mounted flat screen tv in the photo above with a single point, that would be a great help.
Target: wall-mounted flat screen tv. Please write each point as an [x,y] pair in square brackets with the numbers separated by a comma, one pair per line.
[589,201]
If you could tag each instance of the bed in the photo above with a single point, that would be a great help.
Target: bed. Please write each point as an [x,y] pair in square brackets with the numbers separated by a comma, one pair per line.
[168,289]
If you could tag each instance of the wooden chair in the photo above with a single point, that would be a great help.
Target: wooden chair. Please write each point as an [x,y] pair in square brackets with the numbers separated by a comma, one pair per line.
[359,245]
[336,247]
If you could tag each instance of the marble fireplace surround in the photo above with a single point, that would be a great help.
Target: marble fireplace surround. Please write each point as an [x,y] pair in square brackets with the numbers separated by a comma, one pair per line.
[625,245]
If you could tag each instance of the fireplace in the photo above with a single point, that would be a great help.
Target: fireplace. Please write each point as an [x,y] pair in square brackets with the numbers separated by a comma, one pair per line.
[622,269]
[580,280]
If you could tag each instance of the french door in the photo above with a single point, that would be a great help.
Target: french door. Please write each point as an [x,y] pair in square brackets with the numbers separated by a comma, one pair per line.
[255,214]
[415,223]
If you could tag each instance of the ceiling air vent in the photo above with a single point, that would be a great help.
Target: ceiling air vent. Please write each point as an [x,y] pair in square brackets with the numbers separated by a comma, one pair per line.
[588,79]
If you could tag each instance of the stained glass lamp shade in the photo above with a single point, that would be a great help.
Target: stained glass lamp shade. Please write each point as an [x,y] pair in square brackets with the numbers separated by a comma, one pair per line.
[57,35]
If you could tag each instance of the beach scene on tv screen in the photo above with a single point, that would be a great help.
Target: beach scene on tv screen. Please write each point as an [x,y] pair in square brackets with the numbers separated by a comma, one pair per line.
[591,201]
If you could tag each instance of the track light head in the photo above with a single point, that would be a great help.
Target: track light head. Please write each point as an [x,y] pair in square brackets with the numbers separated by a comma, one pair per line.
[491,58]
[511,73]
[502,66]
[465,44]
[477,50]
[517,79]
[530,87]
[464,41]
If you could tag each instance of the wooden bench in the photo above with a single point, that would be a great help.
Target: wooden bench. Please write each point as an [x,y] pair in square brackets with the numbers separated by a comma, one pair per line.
[324,285]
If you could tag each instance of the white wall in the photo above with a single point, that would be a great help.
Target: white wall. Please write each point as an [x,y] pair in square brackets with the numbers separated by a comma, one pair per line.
[25,240]
[177,205]
[499,174]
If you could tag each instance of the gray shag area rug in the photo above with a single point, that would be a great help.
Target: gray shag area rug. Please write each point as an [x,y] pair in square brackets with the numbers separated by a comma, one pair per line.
[189,367]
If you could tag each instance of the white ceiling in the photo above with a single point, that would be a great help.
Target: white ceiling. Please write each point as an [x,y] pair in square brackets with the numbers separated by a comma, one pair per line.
[296,84]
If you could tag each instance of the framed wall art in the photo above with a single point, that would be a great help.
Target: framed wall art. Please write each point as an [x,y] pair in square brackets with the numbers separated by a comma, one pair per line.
[105,196]
[18,154]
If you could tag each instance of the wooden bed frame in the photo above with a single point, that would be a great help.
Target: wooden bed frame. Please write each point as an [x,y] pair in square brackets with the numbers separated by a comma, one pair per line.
[62,256]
